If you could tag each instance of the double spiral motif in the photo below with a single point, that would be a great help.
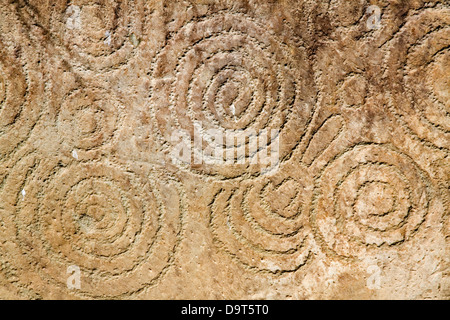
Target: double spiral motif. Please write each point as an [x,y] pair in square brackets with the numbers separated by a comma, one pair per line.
[264,223]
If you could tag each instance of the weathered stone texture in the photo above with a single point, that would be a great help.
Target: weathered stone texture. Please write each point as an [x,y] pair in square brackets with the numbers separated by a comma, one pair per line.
[357,206]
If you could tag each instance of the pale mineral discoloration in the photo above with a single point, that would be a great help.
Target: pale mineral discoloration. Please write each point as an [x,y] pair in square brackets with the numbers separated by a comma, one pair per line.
[351,96]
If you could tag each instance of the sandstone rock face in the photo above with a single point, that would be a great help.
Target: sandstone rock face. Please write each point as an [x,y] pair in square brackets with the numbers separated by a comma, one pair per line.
[282,149]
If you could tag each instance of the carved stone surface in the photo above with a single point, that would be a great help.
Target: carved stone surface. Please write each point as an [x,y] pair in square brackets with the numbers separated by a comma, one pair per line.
[103,193]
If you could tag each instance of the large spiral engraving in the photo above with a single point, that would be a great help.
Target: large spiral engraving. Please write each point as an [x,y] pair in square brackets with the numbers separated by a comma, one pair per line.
[369,197]
[116,226]
[96,35]
[418,66]
[225,72]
